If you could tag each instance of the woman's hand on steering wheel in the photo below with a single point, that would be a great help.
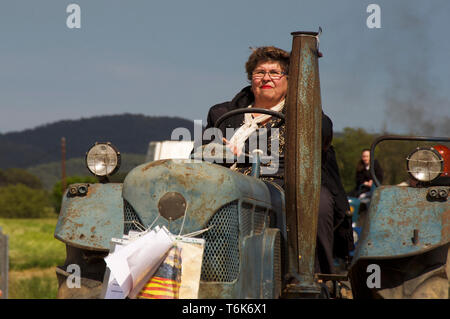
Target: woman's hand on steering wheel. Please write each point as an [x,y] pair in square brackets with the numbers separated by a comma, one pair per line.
[233,148]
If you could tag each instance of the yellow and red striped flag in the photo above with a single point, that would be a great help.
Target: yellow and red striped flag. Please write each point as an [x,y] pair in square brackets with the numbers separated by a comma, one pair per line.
[165,283]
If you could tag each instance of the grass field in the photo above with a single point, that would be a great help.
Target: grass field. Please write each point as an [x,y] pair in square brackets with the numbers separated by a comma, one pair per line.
[33,255]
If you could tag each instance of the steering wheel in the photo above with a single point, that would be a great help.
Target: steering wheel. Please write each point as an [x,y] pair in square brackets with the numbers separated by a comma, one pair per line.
[227,115]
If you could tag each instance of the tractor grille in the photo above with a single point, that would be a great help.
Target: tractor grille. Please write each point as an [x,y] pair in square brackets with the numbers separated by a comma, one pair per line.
[221,255]
[246,219]
[277,264]
[259,220]
[129,217]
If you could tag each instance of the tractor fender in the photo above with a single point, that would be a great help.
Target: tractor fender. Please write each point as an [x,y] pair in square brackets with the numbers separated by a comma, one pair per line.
[406,235]
[401,222]
[90,220]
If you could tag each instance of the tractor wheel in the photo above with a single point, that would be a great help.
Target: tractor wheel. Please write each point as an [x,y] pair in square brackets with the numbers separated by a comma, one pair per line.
[434,284]
[435,287]
[92,269]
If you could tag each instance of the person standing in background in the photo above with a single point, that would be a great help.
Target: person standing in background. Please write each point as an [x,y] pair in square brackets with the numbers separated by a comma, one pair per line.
[363,178]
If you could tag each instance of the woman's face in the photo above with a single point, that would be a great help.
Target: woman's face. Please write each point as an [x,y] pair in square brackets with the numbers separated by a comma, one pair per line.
[365,156]
[269,92]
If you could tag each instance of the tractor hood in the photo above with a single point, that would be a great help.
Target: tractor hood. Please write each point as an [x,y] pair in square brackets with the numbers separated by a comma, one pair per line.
[184,194]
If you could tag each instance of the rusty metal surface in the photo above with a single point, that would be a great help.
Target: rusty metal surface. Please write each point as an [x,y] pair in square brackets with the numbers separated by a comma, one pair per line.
[303,153]
[257,278]
[252,270]
[206,187]
[90,221]
[271,264]
[395,215]
[212,290]
[172,206]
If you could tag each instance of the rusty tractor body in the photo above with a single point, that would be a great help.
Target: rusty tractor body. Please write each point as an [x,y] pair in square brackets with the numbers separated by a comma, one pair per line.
[406,234]
[249,225]
[260,237]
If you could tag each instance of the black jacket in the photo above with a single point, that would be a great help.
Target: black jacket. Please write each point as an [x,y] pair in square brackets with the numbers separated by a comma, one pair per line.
[363,175]
[241,100]
[330,172]
[330,177]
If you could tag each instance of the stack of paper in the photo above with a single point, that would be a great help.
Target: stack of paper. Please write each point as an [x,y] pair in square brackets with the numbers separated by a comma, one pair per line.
[134,262]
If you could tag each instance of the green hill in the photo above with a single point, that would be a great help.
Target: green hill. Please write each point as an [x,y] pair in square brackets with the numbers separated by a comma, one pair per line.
[130,133]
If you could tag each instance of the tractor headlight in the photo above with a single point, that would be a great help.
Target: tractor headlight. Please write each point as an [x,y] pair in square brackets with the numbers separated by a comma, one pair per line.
[424,164]
[103,159]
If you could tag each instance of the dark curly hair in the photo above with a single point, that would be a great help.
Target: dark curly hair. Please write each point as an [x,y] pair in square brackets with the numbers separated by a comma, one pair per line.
[267,54]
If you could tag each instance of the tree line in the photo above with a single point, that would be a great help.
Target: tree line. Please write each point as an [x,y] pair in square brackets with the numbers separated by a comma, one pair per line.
[391,156]
[22,194]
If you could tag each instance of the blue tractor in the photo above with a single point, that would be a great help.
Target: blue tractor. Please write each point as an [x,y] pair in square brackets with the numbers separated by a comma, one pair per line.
[402,250]
[259,237]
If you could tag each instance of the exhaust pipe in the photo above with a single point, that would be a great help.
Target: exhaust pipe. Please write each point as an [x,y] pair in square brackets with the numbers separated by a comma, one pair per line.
[303,163]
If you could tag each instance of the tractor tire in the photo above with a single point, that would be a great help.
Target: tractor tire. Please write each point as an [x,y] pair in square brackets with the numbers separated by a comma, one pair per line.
[437,286]
[434,284]
[92,270]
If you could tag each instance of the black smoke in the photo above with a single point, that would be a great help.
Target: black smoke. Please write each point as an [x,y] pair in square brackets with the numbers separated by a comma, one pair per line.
[416,102]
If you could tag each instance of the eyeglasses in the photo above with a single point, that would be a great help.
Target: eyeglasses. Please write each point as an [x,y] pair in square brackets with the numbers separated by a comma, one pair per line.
[273,74]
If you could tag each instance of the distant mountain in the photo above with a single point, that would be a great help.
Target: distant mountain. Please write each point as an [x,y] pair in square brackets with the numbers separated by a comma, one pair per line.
[130,133]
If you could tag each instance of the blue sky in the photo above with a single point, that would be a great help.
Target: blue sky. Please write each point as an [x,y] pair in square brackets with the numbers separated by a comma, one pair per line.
[177,58]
